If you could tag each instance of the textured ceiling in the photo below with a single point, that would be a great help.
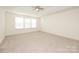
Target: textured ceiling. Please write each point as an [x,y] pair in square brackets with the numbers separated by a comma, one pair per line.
[28,10]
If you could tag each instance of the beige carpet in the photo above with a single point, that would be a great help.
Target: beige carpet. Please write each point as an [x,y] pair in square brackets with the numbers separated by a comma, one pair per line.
[38,42]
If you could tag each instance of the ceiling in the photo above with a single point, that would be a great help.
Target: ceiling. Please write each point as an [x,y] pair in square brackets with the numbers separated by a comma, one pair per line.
[29,10]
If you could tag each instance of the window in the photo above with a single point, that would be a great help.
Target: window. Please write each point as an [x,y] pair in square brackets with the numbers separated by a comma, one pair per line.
[27,23]
[33,23]
[19,21]
[23,22]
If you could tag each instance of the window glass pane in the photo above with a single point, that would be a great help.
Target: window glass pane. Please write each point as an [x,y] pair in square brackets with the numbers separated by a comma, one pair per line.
[27,23]
[19,22]
[34,23]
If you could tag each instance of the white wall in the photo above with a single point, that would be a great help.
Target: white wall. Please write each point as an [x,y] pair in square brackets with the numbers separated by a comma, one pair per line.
[10,25]
[65,23]
[2,25]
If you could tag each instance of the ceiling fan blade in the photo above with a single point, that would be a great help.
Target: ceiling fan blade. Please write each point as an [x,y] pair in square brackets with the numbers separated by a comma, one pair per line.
[37,8]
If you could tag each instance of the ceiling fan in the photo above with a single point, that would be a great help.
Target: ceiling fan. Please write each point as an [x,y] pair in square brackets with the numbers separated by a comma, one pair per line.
[38,8]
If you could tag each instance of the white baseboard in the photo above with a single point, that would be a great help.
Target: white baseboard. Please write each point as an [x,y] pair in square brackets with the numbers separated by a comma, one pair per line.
[1,39]
[20,33]
[65,36]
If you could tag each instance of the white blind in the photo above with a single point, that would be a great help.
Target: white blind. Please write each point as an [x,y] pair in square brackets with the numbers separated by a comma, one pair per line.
[19,22]
[34,23]
[24,22]
[27,23]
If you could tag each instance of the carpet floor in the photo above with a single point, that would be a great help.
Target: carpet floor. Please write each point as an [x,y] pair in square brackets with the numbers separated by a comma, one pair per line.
[38,42]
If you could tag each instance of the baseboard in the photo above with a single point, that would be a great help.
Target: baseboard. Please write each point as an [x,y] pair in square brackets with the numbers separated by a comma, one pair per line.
[61,35]
[1,40]
[20,33]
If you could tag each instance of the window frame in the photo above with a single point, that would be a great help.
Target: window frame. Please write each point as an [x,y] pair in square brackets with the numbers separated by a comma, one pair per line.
[24,24]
